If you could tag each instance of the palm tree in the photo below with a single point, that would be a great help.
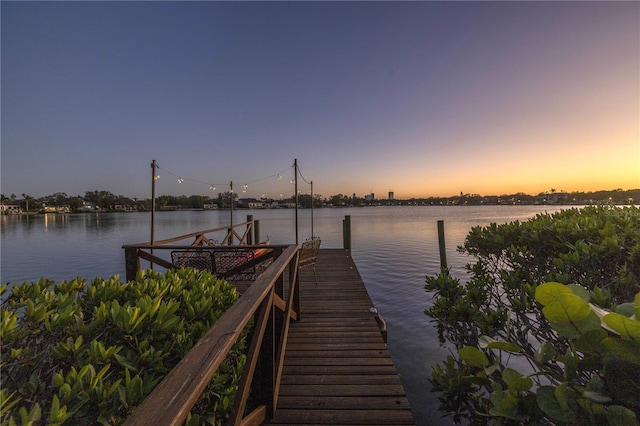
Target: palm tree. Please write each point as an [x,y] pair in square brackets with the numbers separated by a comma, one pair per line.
[26,198]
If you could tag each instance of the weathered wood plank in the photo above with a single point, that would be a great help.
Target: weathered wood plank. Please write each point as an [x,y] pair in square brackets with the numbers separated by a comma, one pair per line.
[341,354]
[342,379]
[343,403]
[337,346]
[338,369]
[343,417]
[344,390]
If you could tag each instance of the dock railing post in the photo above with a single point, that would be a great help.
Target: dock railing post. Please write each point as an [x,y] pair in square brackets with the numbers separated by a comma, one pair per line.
[441,246]
[346,233]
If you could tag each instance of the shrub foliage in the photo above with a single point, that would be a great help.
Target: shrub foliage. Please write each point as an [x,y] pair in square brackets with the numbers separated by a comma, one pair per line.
[81,353]
[562,352]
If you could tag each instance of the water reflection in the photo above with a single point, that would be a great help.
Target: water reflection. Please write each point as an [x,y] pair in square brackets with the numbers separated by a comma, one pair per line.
[53,221]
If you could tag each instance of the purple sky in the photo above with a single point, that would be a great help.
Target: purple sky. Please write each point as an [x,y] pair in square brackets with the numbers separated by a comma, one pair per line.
[421,98]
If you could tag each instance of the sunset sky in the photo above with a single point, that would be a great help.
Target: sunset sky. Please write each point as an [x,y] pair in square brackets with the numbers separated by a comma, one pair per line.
[419,98]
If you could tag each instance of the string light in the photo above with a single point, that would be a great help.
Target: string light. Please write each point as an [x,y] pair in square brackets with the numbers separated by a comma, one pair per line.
[245,186]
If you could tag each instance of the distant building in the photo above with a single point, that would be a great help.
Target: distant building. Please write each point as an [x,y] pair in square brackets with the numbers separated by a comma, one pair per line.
[370,197]
[87,206]
[553,198]
[251,203]
[10,208]
[56,209]
[390,195]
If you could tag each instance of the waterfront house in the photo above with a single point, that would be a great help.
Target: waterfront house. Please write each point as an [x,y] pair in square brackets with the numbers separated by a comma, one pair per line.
[11,208]
[251,203]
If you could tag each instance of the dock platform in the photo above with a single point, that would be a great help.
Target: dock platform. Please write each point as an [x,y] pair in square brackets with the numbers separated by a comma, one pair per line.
[337,369]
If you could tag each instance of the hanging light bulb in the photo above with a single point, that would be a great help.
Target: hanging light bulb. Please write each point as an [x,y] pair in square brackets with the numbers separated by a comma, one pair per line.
[279,176]
[292,181]
[180,180]
[156,177]
[244,187]
[213,188]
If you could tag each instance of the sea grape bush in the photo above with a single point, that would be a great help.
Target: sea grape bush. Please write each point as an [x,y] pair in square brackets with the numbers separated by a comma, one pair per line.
[604,348]
[80,353]
[514,349]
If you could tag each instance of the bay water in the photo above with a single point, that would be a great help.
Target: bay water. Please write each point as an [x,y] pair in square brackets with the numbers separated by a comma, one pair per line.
[394,249]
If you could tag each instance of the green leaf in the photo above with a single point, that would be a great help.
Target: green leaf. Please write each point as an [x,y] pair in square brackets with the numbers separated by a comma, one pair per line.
[626,309]
[618,415]
[624,349]
[516,381]
[548,403]
[590,341]
[574,330]
[544,353]
[65,392]
[596,397]
[580,291]
[7,401]
[505,404]
[473,356]
[622,325]
[566,308]
[505,346]
[486,342]
[547,293]
[125,363]
[562,395]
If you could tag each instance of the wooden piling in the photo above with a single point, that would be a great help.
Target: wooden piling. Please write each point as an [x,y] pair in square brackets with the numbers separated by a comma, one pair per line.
[346,233]
[250,228]
[256,231]
[441,245]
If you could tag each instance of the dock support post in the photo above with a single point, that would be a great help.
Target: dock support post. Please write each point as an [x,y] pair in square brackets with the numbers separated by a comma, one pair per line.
[256,231]
[346,233]
[441,246]
[132,262]
[250,229]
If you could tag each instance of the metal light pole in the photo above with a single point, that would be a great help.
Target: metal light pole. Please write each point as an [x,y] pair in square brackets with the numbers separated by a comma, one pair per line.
[295,166]
[231,213]
[312,210]
[153,202]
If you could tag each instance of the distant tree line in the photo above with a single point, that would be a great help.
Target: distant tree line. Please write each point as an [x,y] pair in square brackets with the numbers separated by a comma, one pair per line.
[107,201]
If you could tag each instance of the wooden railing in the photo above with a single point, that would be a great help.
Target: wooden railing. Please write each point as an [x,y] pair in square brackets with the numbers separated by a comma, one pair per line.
[240,234]
[272,307]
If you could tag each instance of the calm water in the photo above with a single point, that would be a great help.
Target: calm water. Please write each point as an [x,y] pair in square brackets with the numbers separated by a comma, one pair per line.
[393,247]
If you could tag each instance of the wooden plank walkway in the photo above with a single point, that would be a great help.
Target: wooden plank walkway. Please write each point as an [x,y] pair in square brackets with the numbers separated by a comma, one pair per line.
[337,369]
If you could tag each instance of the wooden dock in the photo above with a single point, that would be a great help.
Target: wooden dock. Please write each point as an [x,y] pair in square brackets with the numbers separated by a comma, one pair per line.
[337,369]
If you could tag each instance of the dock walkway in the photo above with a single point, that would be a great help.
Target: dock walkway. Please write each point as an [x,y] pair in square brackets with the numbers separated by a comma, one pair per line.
[337,369]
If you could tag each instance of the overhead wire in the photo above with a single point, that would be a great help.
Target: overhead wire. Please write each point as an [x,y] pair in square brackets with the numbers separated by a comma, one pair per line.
[245,186]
